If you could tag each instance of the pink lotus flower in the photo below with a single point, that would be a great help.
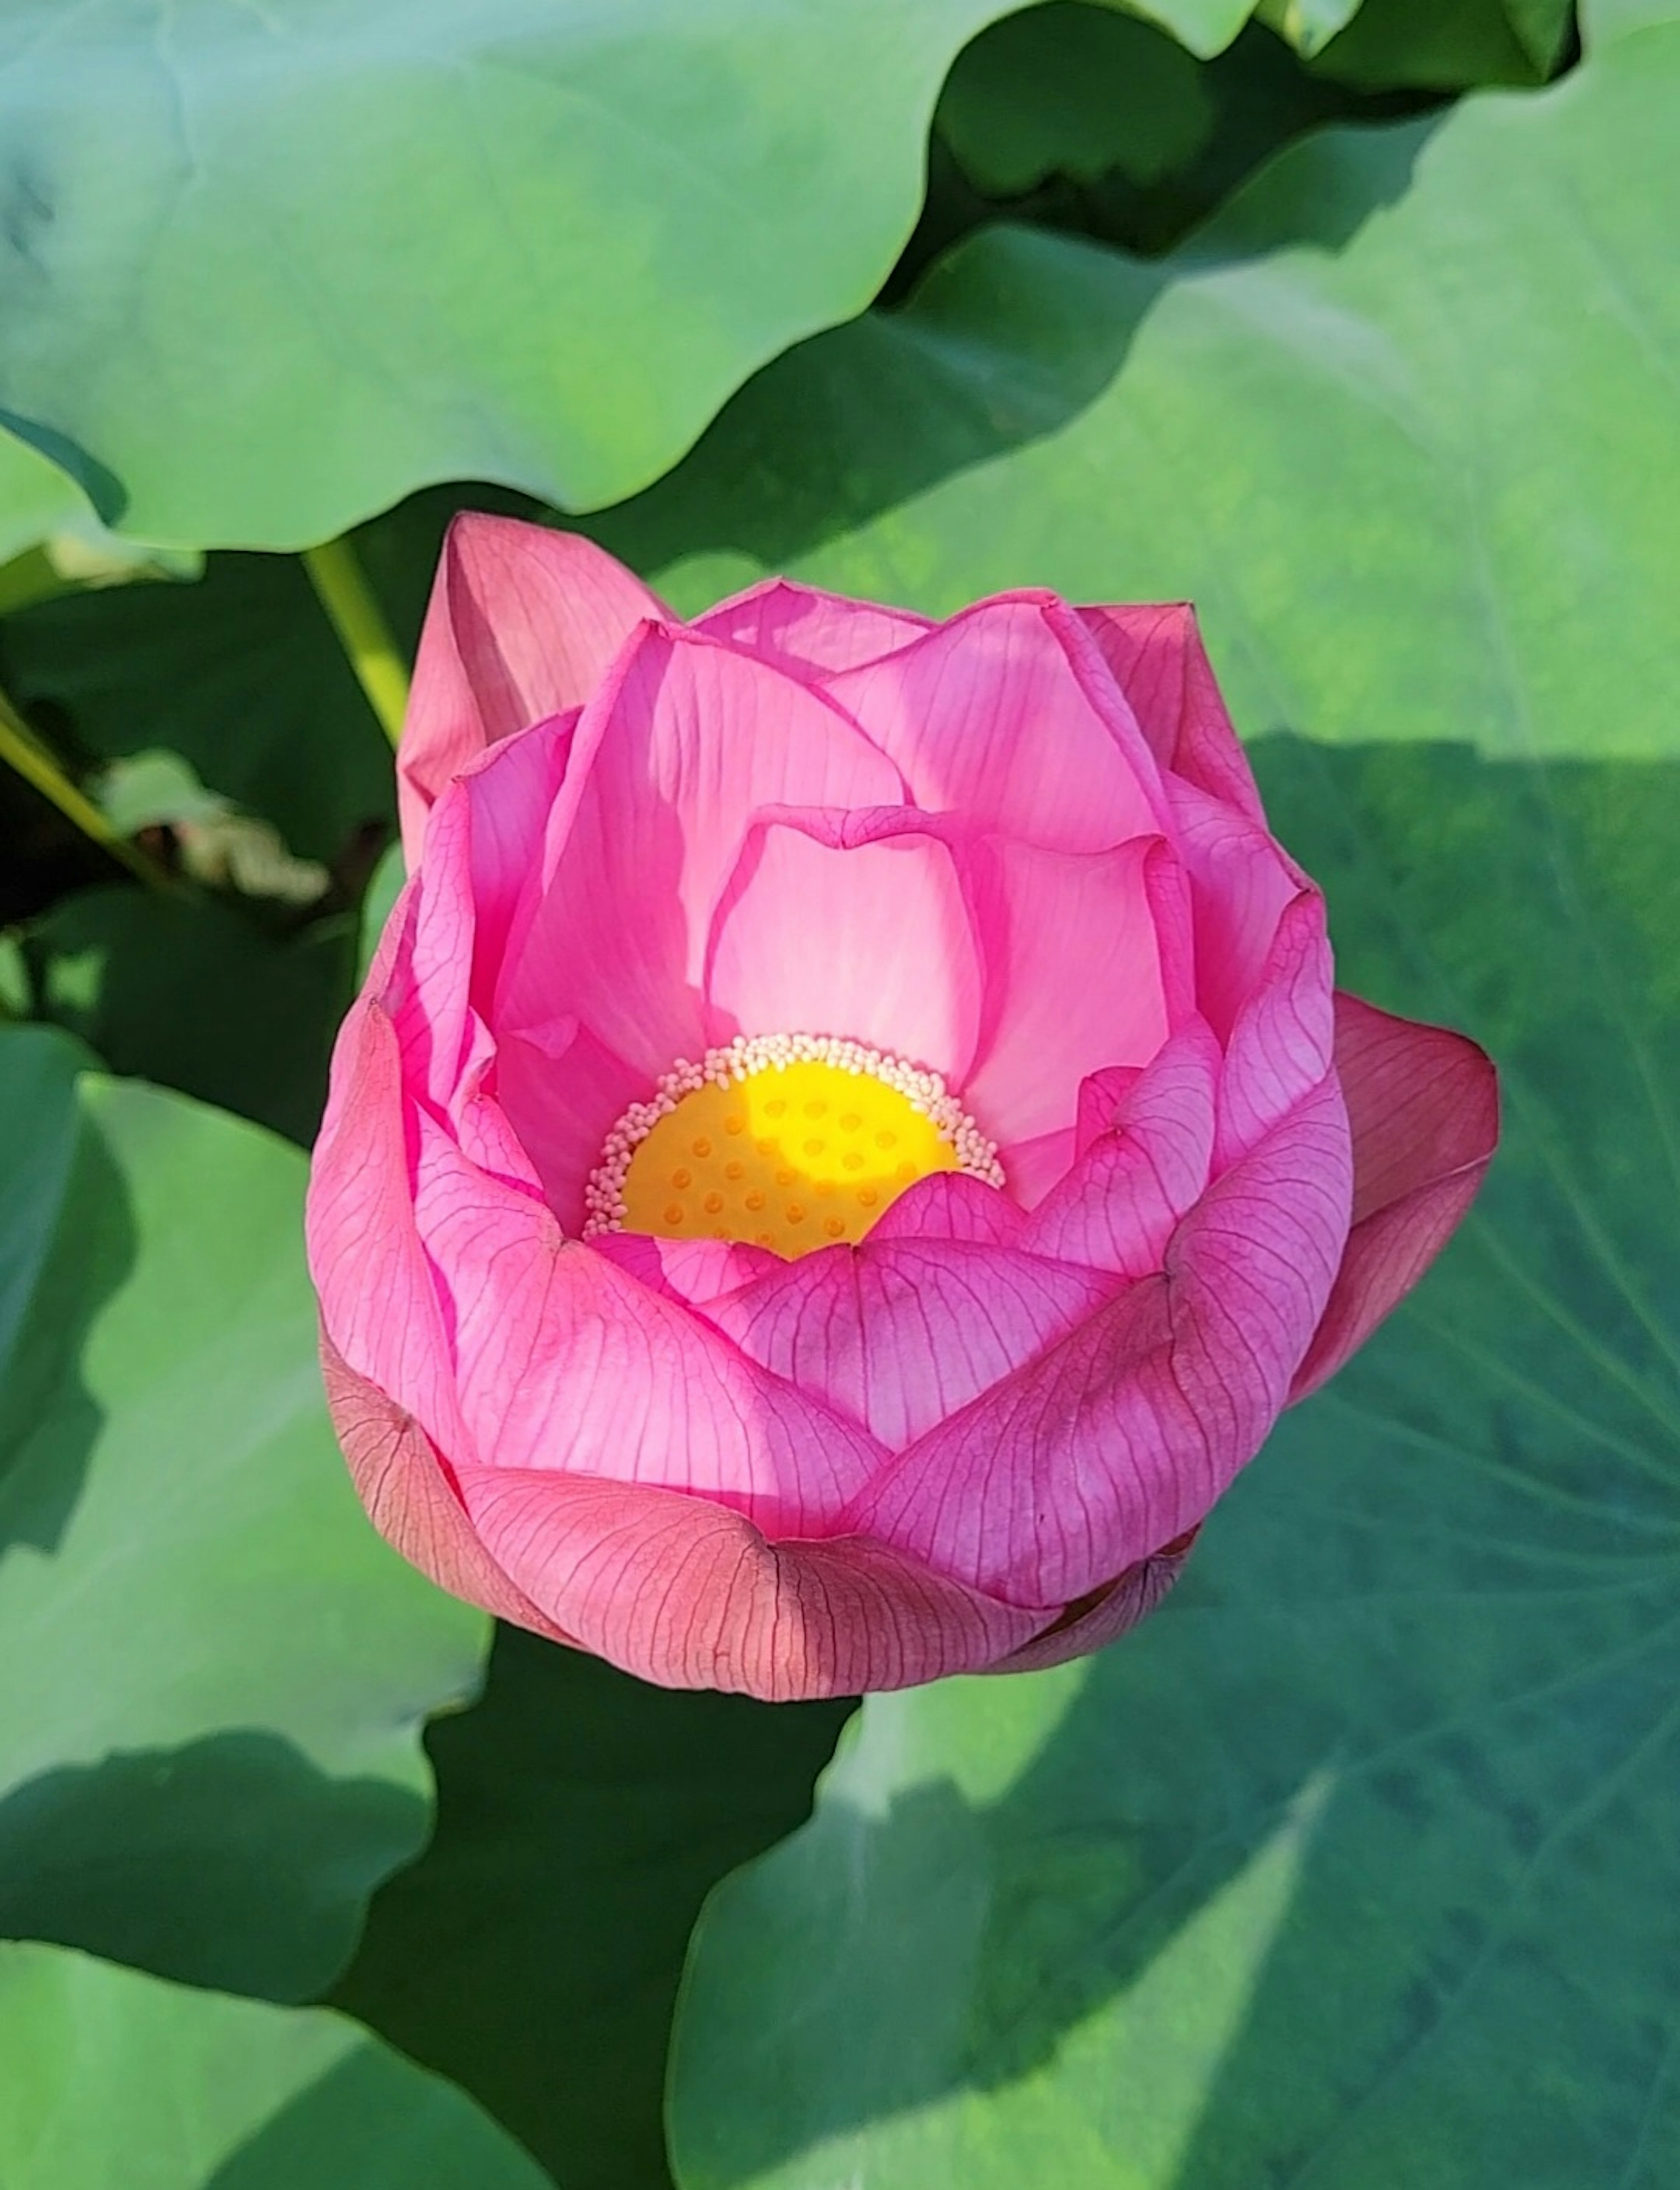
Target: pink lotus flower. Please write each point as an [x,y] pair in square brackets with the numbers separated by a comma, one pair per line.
[957,955]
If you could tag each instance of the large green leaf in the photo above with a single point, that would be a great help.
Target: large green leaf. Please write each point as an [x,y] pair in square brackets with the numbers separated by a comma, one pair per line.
[1415,468]
[108,2078]
[209,1754]
[270,268]
[37,499]
[1359,1863]
[582,1817]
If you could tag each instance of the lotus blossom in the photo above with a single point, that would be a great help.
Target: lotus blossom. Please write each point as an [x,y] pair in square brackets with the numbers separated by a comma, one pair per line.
[849,1141]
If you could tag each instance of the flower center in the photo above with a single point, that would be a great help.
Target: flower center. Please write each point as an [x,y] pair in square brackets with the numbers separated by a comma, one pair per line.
[787,1141]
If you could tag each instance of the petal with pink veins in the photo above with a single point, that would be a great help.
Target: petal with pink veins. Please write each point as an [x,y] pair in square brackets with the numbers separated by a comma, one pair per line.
[1117,1209]
[689,1595]
[848,925]
[951,1206]
[411,1500]
[674,753]
[1106,1614]
[1087,963]
[564,1362]
[1120,1437]
[1241,881]
[1008,716]
[809,631]
[378,1305]
[898,1334]
[1424,1105]
[1160,665]
[1281,1041]
[521,624]
[562,1092]
[696,1272]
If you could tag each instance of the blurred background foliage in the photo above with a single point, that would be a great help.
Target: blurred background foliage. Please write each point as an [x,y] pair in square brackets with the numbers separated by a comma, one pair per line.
[1360,325]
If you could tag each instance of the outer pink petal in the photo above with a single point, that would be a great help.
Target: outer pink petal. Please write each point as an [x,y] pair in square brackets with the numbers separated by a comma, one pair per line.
[809,631]
[1097,1621]
[1161,664]
[1423,1104]
[898,1334]
[379,1308]
[408,1490]
[1006,716]
[1120,1438]
[817,932]
[689,1594]
[521,624]
[1118,1208]
[565,1361]
[1088,963]
[682,743]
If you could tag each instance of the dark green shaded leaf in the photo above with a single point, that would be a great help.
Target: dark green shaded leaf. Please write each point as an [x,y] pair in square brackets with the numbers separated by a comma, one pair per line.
[1448,44]
[533,1952]
[1075,90]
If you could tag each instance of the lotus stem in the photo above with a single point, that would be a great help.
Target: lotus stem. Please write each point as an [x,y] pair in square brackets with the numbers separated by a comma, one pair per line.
[342,587]
[23,752]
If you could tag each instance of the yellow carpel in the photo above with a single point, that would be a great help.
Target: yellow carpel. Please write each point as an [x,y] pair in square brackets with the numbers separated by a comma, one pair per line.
[789,1157]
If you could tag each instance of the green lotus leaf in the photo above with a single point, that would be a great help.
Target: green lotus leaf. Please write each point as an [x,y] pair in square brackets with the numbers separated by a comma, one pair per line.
[270,268]
[582,1817]
[108,2077]
[210,1752]
[1355,1865]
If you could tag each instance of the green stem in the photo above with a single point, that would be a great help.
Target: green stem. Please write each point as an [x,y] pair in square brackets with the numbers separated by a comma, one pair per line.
[21,750]
[354,613]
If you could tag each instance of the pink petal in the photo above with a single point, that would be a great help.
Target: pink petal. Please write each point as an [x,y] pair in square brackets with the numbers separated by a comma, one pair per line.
[564,1362]
[411,1500]
[1032,1168]
[1117,1209]
[1162,665]
[809,631]
[696,1272]
[379,1308]
[1280,1043]
[562,1091]
[689,1594]
[1006,716]
[1100,1096]
[1423,1104]
[1120,1437]
[1087,963]
[1241,881]
[898,1334]
[677,751]
[861,932]
[1090,1625]
[521,624]
[951,1206]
